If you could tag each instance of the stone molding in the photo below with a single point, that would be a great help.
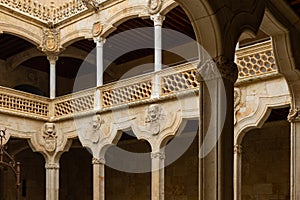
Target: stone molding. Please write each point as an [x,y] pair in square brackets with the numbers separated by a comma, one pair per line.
[237,101]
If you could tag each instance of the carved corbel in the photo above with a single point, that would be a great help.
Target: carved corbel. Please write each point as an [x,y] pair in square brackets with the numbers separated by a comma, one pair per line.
[294,115]
[50,142]
[154,118]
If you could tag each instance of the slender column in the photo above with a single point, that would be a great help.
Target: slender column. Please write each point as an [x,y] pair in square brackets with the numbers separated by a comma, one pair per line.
[52,60]
[157,176]
[52,181]
[237,174]
[216,129]
[294,119]
[99,59]
[99,179]
[158,20]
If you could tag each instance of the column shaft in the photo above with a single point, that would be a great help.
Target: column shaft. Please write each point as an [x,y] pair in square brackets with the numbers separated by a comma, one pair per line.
[99,59]
[52,181]
[237,174]
[157,176]
[52,61]
[98,180]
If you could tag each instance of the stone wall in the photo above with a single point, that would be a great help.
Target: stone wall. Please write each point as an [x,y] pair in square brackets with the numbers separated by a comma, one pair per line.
[265,162]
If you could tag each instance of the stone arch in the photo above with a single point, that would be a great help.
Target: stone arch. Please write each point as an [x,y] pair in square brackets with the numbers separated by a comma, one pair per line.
[20,31]
[259,116]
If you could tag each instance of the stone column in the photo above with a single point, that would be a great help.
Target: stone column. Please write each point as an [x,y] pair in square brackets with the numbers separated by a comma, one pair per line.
[294,119]
[98,179]
[52,181]
[52,60]
[158,20]
[237,174]
[99,59]
[216,129]
[157,176]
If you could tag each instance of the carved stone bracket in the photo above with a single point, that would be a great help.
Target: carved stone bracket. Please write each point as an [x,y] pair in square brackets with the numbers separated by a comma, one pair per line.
[154,6]
[294,115]
[237,149]
[237,100]
[92,4]
[49,137]
[51,41]
[218,67]
[158,155]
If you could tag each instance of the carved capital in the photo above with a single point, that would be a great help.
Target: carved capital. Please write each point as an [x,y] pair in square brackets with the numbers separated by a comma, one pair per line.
[219,67]
[154,6]
[158,155]
[99,41]
[157,19]
[237,149]
[51,41]
[294,115]
[52,165]
[100,161]
[52,59]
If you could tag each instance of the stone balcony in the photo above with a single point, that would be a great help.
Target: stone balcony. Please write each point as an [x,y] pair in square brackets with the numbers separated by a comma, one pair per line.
[255,63]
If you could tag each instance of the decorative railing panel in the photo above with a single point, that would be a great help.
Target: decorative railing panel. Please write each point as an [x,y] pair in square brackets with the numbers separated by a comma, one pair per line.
[71,104]
[125,94]
[20,102]
[256,60]
[183,77]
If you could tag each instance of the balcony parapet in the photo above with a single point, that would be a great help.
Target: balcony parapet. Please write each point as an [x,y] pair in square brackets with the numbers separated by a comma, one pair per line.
[254,63]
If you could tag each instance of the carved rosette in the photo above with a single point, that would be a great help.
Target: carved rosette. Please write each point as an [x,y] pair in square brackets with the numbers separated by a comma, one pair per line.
[51,41]
[294,115]
[97,29]
[237,100]
[158,155]
[49,137]
[154,6]
[219,67]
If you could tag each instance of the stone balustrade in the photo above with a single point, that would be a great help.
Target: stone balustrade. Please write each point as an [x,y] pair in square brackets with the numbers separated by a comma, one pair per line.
[255,62]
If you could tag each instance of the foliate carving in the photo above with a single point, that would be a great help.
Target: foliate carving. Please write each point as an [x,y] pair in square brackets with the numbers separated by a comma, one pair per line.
[154,6]
[158,155]
[237,149]
[154,115]
[49,136]
[51,41]
[97,29]
[157,19]
[52,166]
[219,67]
[237,100]
[294,115]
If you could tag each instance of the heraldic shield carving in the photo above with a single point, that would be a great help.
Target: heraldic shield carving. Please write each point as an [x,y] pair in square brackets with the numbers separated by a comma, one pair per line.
[51,40]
